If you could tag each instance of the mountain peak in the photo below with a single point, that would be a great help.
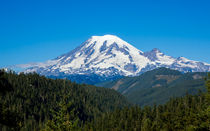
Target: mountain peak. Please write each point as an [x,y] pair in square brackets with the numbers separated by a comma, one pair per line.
[108,40]
[109,55]
[156,50]
[183,59]
[153,54]
[106,37]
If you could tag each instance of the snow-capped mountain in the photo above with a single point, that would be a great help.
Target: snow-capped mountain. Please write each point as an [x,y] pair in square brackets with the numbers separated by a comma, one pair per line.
[182,64]
[109,55]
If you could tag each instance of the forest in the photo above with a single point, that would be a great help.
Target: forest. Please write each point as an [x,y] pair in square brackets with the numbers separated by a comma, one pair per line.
[34,102]
[158,86]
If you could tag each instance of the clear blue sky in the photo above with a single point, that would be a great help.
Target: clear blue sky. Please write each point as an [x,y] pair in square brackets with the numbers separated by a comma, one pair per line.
[41,30]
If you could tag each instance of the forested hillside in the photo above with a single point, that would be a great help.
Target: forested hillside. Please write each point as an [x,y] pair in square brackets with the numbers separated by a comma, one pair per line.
[32,102]
[158,86]
[185,113]
[29,101]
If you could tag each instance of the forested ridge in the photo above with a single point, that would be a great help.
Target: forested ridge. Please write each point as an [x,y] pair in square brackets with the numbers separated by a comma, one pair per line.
[186,113]
[191,112]
[158,85]
[33,102]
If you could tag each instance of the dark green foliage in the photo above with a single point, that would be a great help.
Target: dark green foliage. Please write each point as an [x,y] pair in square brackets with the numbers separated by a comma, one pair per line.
[5,86]
[158,86]
[208,89]
[186,113]
[33,102]
[61,119]
[10,120]
[34,97]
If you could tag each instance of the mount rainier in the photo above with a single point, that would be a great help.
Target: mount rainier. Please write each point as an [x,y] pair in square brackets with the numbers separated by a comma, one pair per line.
[109,56]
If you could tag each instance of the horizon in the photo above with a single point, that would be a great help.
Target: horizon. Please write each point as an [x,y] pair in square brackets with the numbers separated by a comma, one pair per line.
[33,32]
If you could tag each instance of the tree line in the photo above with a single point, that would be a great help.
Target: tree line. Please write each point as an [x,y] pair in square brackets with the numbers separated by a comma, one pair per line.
[34,102]
[29,101]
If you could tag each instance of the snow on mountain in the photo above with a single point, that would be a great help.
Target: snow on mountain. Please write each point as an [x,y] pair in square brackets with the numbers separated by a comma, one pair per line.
[158,57]
[109,55]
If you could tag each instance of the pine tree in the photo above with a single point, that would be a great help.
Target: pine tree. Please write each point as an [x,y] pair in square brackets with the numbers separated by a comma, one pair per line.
[61,119]
[208,89]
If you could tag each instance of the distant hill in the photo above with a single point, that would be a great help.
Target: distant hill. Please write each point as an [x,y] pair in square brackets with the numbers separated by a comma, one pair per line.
[158,86]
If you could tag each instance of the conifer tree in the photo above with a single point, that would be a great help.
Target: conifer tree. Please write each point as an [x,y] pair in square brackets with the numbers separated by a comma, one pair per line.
[61,119]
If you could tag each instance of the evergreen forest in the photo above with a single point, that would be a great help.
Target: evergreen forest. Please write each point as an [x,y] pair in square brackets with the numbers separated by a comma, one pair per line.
[33,102]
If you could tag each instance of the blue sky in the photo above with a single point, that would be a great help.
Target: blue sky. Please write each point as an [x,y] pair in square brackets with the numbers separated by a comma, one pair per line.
[36,31]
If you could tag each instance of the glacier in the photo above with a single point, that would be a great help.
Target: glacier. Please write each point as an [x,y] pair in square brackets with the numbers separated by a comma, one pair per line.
[110,56]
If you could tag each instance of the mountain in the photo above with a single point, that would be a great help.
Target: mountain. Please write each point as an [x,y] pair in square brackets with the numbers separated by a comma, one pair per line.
[108,57]
[158,85]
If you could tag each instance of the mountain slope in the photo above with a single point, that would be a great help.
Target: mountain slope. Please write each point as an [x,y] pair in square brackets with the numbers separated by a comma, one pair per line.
[109,56]
[157,86]
[33,97]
